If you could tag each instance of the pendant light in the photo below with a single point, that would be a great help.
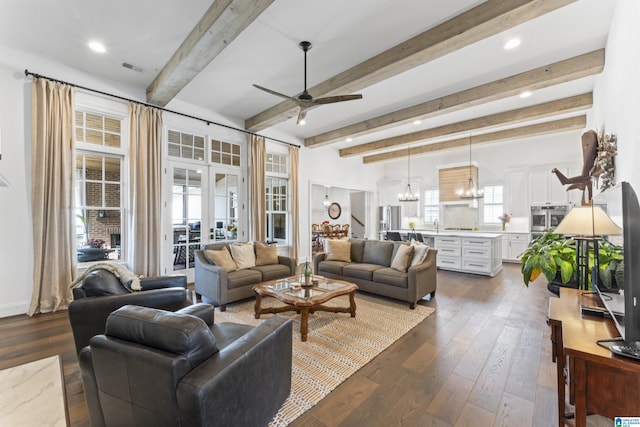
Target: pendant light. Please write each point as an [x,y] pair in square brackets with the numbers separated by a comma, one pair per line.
[326,202]
[408,195]
[471,192]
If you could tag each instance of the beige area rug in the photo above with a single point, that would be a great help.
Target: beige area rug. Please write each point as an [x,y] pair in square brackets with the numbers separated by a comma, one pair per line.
[33,394]
[337,345]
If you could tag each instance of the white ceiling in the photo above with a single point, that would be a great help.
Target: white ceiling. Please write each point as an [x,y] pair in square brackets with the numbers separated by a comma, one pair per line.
[146,33]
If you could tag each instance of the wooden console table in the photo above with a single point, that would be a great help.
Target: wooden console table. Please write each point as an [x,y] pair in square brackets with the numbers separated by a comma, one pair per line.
[599,381]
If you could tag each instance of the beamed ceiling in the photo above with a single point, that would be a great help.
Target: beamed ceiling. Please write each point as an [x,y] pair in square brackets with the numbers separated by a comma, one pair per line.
[438,62]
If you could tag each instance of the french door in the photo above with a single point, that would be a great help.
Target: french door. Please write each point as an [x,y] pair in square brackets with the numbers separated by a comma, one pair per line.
[188,219]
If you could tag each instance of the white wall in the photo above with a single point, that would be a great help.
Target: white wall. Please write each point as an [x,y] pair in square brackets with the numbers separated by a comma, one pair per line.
[617,91]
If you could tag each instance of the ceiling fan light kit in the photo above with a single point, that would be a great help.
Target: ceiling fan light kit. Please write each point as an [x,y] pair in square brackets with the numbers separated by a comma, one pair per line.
[304,100]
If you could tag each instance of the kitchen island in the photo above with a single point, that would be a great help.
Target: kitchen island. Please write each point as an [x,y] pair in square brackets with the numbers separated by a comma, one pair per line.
[465,251]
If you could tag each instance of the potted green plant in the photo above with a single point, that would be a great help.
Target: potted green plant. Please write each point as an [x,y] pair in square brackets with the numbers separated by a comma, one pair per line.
[555,256]
[552,255]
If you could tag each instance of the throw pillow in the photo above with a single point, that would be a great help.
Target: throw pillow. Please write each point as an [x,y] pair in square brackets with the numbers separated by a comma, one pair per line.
[243,255]
[403,258]
[420,251]
[221,258]
[266,254]
[338,250]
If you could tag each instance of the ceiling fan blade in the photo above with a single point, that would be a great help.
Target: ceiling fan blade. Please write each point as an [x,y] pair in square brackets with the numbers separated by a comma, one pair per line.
[301,116]
[273,92]
[338,98]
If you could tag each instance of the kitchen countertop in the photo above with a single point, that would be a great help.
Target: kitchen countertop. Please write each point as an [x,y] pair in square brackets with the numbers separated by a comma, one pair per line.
[455,233]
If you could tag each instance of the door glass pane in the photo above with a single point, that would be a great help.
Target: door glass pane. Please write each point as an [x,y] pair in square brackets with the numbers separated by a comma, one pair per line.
[186,216]
[225,225]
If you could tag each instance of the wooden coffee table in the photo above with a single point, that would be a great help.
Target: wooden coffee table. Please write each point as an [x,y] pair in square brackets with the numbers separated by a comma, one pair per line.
[305,300]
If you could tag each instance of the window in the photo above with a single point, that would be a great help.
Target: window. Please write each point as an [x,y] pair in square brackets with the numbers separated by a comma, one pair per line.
[185,146]
[225,153]
[277,163]
[493,204]
[96,129]
[277,203]
[226,207]
[431,206]
[98,206]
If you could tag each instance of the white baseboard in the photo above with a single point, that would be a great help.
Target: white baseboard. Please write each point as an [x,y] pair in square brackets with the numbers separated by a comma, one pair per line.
[7,310]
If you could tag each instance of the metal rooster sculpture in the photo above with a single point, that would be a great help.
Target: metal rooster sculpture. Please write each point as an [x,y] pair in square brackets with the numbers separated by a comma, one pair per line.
[597,161]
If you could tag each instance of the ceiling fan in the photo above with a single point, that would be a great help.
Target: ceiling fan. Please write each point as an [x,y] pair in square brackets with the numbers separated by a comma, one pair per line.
[304,100]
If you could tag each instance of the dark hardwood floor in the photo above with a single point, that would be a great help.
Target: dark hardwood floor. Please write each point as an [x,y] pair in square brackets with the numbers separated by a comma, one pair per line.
[483,359]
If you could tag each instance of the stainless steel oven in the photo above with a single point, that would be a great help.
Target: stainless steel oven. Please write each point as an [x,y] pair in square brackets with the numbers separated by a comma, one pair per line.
[547,217]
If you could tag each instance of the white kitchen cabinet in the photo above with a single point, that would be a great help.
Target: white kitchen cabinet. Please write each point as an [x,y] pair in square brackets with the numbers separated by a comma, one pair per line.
[516,193]
[470,254]
[513,244]
[545,187]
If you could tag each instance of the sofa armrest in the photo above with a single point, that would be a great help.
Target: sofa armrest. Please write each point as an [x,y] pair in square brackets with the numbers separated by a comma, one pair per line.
[243,384]
[422,277]
[160,282]
[317,258]
[200,310]
[289,262]
[210,280]
[90,387]
[88,316]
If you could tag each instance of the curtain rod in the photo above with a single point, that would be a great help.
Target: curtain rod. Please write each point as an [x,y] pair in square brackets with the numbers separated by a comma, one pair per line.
[208,122]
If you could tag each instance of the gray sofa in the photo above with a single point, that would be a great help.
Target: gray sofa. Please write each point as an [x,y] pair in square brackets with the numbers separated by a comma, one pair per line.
[370,270]
[217,287]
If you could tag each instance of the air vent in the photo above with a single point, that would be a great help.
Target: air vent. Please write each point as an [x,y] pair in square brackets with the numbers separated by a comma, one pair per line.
[131,67]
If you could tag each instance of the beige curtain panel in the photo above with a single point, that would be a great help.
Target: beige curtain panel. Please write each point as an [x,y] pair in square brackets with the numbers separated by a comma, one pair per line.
[54,248]
[145,150]
[295,212]
[257,183]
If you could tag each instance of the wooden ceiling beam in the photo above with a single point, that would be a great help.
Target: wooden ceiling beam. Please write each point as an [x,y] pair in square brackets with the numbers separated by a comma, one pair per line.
[548,75]
[485,20]
[219,26]
[547,109]
[556,126]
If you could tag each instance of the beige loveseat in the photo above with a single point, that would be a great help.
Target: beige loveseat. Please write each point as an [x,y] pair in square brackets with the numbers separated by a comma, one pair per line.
[222,281]
[368,263]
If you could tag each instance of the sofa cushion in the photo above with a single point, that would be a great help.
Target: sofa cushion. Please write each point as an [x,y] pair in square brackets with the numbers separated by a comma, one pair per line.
[266,254]
[333,267]
[221,258]
[245,277]
[420,251]
[244,255]
[338,250]
[377,252]
[402,258]
[272,271]
[357,249]
[392,277]
[360,270]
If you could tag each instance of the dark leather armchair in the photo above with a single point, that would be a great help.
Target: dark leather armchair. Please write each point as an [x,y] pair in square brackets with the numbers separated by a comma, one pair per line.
[101,292]
[158,368]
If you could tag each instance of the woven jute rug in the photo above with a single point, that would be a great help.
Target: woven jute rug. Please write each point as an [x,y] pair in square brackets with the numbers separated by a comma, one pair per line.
[337,345]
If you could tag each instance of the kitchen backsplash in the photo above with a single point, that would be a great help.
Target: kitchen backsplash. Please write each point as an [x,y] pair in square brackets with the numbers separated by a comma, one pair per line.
[459,216]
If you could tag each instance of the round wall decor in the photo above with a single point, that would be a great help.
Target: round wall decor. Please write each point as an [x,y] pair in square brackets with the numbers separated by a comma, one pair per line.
[334,210]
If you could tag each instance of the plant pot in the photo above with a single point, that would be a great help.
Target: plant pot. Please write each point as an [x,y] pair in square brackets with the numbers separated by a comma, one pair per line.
[555,285]
[91,254]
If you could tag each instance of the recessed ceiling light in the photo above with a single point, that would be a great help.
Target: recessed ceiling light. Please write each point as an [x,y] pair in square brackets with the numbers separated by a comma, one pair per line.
[97,47]
[525,94]
[512,43]
[349,139]
[417,122]
[302,122]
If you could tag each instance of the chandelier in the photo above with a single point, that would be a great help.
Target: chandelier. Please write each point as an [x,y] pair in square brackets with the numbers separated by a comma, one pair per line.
[471,191]
[326,202]
[408,195]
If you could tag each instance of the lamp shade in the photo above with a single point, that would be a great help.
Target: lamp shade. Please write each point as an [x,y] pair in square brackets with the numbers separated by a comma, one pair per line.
[587,221]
